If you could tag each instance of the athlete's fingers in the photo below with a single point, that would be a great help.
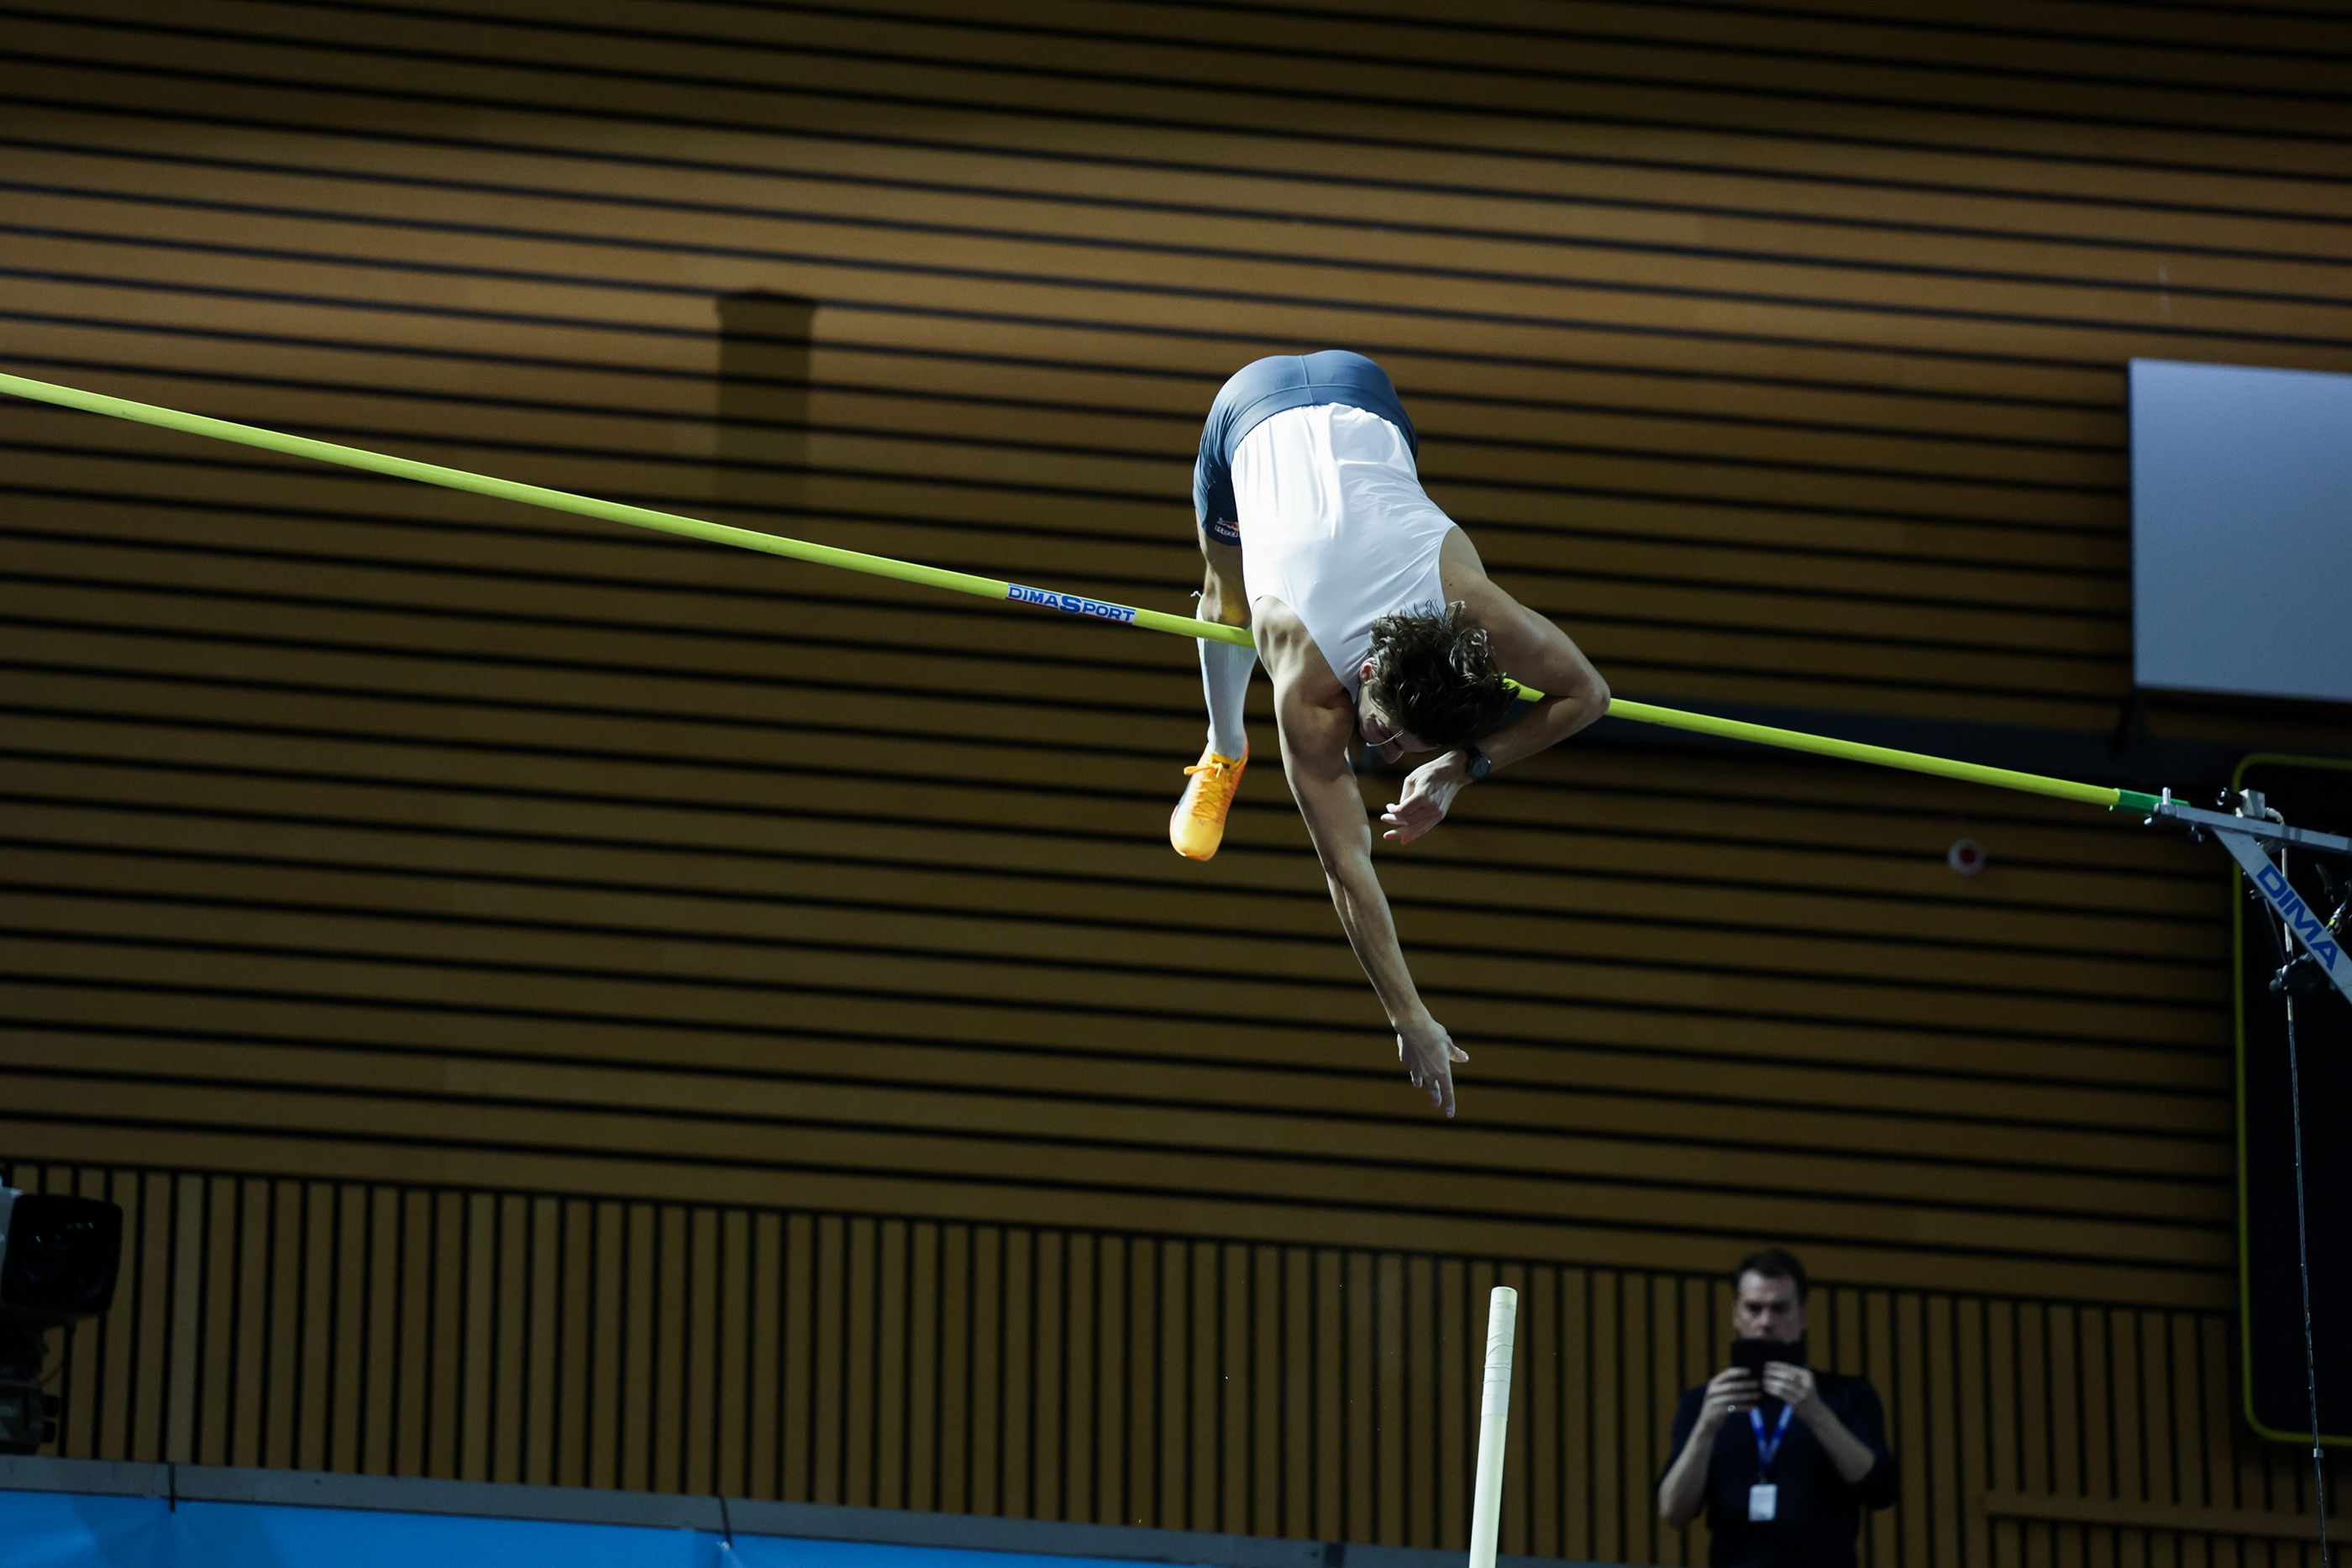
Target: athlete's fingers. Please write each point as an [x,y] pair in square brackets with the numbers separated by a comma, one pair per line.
[1459,1055]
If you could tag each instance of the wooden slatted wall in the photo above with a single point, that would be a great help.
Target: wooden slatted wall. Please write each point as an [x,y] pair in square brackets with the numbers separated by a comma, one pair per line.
[352,833]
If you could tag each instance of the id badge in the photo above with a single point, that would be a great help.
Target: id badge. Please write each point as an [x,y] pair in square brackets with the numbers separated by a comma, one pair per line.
[1763,1502]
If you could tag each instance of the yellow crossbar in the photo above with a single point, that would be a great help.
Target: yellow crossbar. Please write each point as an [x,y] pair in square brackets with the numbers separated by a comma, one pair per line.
[983,587]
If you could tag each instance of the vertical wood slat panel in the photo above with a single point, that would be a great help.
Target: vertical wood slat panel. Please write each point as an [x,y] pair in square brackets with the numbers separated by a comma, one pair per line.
[348,1424]
[1141,1358]
[1086,1415]
[1910,1425]
[828,1346]
[1012,1435]
[1706,1311]
[1233,1350]
[1880,1359]
[984,1352]
[2189,1430]
[1609,1338]
[2094,1420]
[636,1328]
[1358,1355]
[513,1316]
[892,1392]
[2004,1439]
[568,1400]
[945,1364]
[211,1385]
[1519,1476]
[926,1317]
[1327,1396]
[1113,1346]
[2038,1443]
[1208,1386]
[1387,1409]
[465,1287]
[861,1307]
[1269,1474]
[1580,1413]
[1975,1434]
[1443,1397]
[535,1403]
[603,1407]
[2127,1383]
[1656,1405]
[694,1401]
[247,1420]
[955,1372]
[1299,1476]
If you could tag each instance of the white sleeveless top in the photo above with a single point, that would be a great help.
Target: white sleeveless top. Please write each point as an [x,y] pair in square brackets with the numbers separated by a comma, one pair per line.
[1334,523]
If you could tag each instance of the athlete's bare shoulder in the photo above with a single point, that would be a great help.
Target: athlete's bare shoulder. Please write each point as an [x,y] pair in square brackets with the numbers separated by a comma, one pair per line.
[1292,658]
[1524,640]
[1316,715]
[1511,623]
[1462,573]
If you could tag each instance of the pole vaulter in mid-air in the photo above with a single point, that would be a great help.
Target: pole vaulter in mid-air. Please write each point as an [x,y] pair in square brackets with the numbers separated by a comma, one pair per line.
[1376,622]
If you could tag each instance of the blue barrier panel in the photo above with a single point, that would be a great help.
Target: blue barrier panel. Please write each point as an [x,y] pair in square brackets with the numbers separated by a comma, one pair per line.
[64,1530]
[789,1551]
[51,1530]
[70,1529]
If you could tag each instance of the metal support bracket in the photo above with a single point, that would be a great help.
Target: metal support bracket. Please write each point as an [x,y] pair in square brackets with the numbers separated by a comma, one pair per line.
[2165,808]
[2246,834]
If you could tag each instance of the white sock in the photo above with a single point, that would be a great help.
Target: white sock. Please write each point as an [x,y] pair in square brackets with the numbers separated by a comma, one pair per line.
[1224,680]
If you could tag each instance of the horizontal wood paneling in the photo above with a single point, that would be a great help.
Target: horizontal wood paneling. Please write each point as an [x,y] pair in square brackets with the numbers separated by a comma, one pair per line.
[445,873]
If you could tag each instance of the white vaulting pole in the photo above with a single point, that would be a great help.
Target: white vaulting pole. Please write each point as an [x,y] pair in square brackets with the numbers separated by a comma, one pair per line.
[1494,1425]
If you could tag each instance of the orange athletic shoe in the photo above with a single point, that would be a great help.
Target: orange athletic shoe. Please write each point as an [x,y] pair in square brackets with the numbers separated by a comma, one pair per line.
[1197,826]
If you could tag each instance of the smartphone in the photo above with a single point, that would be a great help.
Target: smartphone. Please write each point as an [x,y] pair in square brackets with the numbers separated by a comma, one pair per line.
[1750,1354]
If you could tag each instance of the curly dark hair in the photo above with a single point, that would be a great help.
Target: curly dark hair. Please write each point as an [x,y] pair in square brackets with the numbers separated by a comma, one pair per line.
[1434,674]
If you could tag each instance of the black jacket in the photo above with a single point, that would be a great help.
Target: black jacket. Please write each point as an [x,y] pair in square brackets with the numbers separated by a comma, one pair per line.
[1819,1516]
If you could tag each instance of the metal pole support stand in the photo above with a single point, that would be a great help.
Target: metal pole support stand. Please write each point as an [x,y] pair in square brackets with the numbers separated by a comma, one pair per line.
[2248,830]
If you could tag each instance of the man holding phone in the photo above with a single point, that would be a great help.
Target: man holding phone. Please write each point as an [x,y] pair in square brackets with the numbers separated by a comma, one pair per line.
[1781,1458]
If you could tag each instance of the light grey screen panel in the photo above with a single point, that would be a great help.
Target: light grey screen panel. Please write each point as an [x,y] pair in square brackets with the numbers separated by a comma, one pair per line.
[2241,530]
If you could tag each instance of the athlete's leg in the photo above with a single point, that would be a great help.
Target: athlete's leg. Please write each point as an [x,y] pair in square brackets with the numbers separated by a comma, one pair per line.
[1225,666]
[1197,826]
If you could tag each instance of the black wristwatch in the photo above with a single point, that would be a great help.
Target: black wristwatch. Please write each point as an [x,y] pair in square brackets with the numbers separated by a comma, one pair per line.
[1480,764]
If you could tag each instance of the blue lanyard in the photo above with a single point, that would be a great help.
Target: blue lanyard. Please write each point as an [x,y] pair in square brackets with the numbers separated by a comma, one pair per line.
[1766,1451]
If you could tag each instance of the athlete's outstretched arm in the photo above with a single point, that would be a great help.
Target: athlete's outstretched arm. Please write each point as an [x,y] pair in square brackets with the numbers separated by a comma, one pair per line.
[1314,739]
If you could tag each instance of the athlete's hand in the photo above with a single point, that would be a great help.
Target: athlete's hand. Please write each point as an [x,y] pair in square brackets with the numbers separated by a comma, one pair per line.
[1429,793]
[1429,1054]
